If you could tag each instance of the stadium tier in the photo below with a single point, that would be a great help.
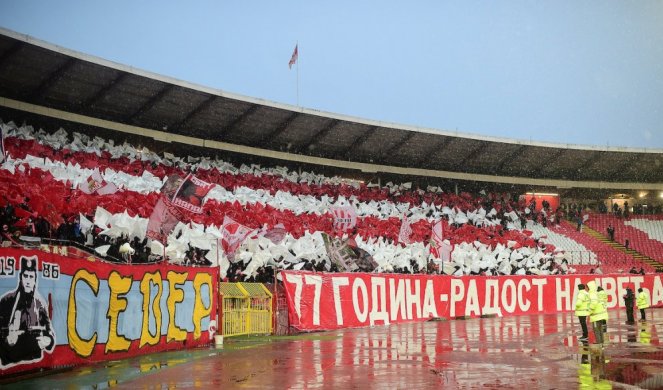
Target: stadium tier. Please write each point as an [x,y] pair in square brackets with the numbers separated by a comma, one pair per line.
[644,233]
[103,195]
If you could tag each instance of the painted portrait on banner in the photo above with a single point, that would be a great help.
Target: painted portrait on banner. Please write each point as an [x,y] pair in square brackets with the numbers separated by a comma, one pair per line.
[25,326]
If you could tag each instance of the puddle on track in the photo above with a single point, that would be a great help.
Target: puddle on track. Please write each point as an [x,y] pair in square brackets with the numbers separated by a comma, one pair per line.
[526,352]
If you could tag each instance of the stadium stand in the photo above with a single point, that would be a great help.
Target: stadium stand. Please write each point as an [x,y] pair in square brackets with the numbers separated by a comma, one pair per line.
[264,199]
[99,101]
[640,231]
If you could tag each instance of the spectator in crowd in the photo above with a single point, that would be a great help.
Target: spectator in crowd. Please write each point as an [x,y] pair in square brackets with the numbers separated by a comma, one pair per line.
[9,236]
[30,228]
[626,210]
[633,270]
[43,227]
[642,271]
[611,232]
[627,243]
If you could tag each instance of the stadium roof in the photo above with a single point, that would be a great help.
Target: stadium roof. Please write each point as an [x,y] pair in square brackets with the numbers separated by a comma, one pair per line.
[45,79]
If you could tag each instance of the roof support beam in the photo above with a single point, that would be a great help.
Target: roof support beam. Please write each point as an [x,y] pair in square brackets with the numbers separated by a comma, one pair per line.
[150,103]
[623,168]
[7,54]
[53,78]
[589,162]
[89,102]
[359,141]
[241,118]
[471,155]
[547,167]
[319,135]
[426,158]
[399,144]
[509,157]
[160,136]
[278,130]
[198,109]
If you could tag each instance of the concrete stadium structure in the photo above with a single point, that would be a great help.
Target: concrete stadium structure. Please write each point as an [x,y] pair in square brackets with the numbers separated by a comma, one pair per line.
[50,86]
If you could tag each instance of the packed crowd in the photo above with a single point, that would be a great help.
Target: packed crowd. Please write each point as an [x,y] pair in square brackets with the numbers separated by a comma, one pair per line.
[488,231]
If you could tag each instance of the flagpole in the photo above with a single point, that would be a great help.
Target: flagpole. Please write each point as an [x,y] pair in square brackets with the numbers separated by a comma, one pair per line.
[297,46]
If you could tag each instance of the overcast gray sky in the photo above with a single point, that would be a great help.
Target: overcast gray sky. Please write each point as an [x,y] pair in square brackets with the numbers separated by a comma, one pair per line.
[584,72]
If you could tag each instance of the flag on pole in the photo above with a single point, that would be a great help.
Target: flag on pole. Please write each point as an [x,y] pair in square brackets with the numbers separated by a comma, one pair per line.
[293,58]
[191,193]
[2,145]
[233,234]
[436,238]
[445,251]
[163,220]
[345,217]
[94,182]
[406,231]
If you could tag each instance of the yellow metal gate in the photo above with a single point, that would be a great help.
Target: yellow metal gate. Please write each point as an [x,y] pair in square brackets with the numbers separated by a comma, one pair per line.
[247,309]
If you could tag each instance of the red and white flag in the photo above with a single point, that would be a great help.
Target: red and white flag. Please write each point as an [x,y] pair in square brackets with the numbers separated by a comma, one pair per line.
[293,59]
[2,145]
[445,251]
[406,231]
[163,220]
[233,234]
[93,183]
[96,183]
[191,194]
[275,234]
[436,238]
[345,217]
[107,189]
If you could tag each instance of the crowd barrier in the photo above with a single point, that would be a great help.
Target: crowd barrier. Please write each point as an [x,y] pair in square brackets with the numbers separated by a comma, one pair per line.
[247,309]
[58,311]
[326,301]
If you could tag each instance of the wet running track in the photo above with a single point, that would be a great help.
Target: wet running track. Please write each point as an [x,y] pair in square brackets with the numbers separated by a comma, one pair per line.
[525,352]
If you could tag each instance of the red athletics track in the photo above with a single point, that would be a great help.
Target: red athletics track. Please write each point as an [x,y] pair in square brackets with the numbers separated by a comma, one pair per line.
[525,352]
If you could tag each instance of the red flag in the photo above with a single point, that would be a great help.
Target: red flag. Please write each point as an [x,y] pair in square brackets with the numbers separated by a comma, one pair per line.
[293,59]
[276,234]
[93,183]
[445,251]
[406,231]
[163,220]
[2,141]
[233,234]
[436,238]
[344,218]
[191,193]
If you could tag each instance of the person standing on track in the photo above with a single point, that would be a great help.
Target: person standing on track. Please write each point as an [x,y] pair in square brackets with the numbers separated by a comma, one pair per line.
[642,301]
[629,300]
[597,312]
[582,310]
[603,297]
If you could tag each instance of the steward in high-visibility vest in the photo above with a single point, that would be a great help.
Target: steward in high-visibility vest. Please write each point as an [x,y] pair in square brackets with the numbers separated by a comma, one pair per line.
[642,301]
[598,313]
[603,297]
[582,310]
